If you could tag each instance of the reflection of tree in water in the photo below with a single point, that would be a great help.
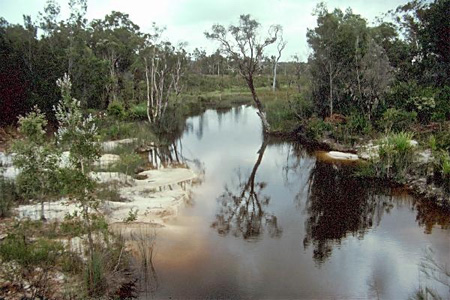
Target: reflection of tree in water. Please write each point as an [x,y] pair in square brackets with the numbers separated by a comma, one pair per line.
[168,155]
[430,214]
[242,211]
[296,171]
[338,205]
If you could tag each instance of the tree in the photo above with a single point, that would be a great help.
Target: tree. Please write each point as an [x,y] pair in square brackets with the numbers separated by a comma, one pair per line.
[280,47]
[350,71]
[242,45]
[36,159]
[80,134]
[164,66]
[116,40]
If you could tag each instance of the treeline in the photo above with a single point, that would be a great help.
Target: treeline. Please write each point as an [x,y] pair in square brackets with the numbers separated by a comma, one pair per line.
[401,64]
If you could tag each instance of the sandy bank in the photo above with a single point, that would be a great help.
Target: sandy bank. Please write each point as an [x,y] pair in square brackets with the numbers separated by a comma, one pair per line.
[152,200]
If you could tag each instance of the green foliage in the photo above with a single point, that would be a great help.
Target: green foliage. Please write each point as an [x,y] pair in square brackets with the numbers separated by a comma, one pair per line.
[138,112]
[281,116]
[441,165]
[442,109]
[32,125]
[395,156]
[8,196]
[75,130]
[316,128]
[116,130]
[116,110]
[40,252]
[302,106]
[349,131]
[132,216]
[424,107]
[130,161]
[440,141]
[37,159]
[397,120]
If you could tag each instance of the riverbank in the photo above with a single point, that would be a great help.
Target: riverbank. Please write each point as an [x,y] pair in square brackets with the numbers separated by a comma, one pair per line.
[419,182]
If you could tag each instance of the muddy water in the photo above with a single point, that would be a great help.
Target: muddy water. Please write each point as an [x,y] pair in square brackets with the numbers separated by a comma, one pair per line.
[271,221]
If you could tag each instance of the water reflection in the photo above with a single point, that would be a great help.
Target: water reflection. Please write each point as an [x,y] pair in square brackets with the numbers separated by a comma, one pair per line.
[338,205]
[241,211]
[165,156]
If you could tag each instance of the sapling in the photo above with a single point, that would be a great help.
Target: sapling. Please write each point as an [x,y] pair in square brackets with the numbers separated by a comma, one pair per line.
[80,135]
[36,158]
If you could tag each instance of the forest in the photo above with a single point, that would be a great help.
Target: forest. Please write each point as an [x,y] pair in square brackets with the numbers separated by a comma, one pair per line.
[75,93]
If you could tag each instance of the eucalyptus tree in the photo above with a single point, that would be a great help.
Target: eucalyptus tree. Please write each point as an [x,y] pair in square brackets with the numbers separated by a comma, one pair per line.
[280,47]
[350,70]
[164,66]
[116,40]
[244,47]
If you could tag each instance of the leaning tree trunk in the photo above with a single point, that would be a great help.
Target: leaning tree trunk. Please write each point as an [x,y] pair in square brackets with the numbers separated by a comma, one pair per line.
[261,111]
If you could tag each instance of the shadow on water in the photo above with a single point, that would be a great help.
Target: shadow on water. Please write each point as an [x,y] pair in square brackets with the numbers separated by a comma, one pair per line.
[242,205]
[338,205]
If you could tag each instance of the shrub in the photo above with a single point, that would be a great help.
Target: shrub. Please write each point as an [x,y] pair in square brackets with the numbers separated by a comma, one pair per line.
[442,168]
[116,110]
[8,196]
[424,107]
[442,110]
[316,128]
[395,156]
[138,112]
[397,120]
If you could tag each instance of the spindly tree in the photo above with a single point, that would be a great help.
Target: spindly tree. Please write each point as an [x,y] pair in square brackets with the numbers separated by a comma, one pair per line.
[244,48]
[36,159]
[80,135]
[164,66]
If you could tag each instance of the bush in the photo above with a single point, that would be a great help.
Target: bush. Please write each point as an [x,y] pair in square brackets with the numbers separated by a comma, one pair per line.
[316,128]
[41,252]
[280,116]
[396,155]
[442,110]
[116,110]
[442,168]
[138,112]
[8,196]
[397,120]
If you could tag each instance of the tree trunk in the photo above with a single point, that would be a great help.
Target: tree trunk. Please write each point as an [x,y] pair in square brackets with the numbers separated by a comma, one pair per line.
[259,105]
[331,91]
[274,76]
[149,115]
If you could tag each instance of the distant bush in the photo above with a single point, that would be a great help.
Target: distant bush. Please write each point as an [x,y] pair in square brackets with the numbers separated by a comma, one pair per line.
[281,116]
[138,112]
[397,120]
[316,128]
[116,110]
[442,109]
[349,131]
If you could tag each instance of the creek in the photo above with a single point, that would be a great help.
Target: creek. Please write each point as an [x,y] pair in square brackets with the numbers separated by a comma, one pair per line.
[271,220]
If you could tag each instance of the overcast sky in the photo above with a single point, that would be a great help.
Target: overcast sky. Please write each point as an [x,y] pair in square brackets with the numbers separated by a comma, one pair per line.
[187,20]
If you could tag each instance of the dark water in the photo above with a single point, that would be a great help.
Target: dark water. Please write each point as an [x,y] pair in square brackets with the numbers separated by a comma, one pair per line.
[270,221]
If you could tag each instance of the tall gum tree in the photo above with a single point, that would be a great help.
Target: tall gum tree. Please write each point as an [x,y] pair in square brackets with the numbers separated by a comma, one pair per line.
[244,47]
